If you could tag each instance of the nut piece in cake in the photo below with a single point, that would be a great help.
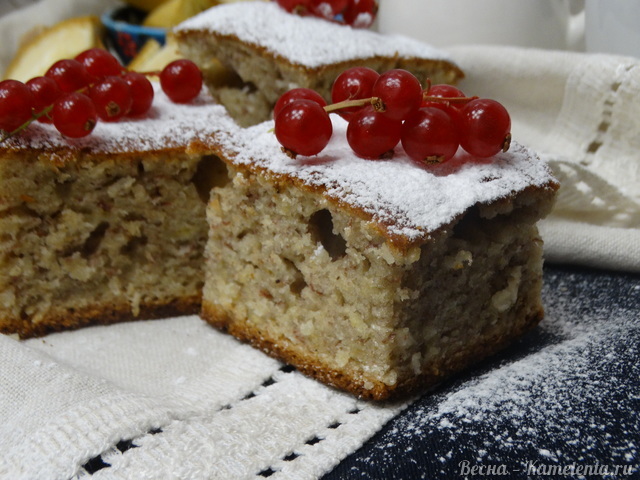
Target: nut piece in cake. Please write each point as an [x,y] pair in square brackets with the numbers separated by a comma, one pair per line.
[377,277]
[110,227]
[271,51]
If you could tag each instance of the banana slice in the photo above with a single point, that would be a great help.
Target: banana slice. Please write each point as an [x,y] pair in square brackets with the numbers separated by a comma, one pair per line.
[172,12]
[153,57]
[164,16]
[63,40]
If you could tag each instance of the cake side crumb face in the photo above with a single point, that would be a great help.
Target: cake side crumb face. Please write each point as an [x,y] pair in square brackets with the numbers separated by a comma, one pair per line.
[271,51]
[108,228]
[307,263]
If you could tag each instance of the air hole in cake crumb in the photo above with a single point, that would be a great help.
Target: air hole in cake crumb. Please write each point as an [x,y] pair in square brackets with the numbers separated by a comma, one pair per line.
[211,173]
[92,243]
[133,246]
[63,190]
[298,283]
[321,230]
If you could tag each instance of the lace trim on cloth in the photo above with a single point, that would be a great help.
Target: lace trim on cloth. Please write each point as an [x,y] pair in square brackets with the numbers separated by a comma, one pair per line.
[167,399]
[596,145]
[115,456]
[581,112]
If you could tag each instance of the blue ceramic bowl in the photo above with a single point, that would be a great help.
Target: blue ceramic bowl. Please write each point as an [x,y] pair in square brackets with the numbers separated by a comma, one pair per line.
[125,35]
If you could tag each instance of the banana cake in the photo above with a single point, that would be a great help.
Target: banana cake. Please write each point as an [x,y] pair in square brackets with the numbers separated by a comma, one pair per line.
[376,277]
[268,51]
[109,227]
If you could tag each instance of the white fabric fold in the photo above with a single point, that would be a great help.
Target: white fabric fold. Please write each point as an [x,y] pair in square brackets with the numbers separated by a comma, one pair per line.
[580,111]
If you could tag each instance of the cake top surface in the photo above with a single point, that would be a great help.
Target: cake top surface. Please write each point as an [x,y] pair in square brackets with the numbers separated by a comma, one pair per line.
[167,125]
[307,41]
[410,200]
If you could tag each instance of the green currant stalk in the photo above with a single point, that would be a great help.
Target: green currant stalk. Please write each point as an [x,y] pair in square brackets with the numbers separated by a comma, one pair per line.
[34,117]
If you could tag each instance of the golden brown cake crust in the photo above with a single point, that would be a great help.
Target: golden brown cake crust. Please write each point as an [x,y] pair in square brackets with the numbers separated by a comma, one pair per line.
[481,350]
[98,315]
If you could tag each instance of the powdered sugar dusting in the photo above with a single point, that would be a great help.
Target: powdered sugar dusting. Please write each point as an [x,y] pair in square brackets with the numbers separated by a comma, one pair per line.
[411,200]
[307,41]
[566,396]
[166,125]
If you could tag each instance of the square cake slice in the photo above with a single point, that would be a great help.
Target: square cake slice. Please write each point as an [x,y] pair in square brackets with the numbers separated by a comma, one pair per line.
[270,51]
[377,277]
[109,227]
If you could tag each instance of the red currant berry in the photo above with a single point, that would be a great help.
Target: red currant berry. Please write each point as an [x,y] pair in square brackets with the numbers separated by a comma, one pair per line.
[74,115]
[70,75]
[111,97]
[181,80]
[294,6]
[16,104]
[99,63]
[303,127]
[297,94]
[45,91]
[141,93]
[360,13]
[429,136]
[353,84]
[450,109]
[372,134]
[400,91]
[486,127]
[442,90]
[327,9]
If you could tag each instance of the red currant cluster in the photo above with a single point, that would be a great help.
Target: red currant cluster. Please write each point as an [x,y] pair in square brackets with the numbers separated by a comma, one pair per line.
[75,93]
[357,13]
[390,108]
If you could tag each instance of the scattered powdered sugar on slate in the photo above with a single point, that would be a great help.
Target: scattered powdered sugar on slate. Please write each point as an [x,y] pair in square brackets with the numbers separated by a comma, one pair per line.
[412,200]
[567,395]
[307,41]
[166,125]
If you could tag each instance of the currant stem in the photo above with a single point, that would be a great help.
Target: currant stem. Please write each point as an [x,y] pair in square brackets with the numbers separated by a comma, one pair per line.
[430,98]
[34,117]
[376,102]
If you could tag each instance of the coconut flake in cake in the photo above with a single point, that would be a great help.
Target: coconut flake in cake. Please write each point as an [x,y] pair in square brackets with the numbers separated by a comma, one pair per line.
[409,200]
[166,125]
[308,41]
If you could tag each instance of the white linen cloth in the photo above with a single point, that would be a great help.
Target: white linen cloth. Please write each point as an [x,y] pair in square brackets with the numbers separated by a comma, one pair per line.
[582,113]
[193,403]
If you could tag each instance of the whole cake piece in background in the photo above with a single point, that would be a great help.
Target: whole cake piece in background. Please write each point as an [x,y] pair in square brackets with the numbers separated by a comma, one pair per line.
[377,277]
[271,51]
[109,227]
